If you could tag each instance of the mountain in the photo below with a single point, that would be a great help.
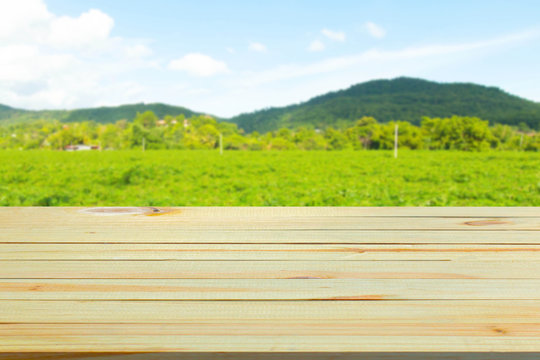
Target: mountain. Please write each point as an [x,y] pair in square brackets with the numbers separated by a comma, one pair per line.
[7,112]
[100,114]
[112,114]
[402,98]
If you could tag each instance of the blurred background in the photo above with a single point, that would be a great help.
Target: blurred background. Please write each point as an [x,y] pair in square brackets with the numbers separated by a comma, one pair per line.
[309,103]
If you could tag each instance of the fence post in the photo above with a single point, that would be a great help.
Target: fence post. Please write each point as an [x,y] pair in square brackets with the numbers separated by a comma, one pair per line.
[220,144]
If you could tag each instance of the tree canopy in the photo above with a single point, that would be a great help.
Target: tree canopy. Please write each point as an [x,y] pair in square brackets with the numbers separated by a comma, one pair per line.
[203,132]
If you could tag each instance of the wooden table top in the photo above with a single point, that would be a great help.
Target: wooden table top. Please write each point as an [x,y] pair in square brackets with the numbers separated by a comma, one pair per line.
[322,281]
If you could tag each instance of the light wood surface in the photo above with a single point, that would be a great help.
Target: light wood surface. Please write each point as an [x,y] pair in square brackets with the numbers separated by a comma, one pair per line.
[245,283]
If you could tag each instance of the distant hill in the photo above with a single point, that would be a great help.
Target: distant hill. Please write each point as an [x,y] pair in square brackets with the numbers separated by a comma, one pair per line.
[7,112]
[402,98]
[101,114]
[112,114]
[12,115]
[4,108]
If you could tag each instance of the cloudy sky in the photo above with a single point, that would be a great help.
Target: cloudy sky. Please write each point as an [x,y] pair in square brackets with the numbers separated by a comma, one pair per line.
[228,57]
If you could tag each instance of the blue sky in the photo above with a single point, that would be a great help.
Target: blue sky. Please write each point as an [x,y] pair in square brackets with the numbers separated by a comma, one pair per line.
[228,57]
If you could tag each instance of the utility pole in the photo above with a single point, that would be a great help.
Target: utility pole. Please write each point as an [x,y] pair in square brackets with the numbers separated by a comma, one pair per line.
[220,144]
[395,140]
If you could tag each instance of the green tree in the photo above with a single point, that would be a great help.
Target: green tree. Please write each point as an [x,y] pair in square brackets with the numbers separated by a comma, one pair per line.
[457,133]
[336,140]
[146,119]
[361,133]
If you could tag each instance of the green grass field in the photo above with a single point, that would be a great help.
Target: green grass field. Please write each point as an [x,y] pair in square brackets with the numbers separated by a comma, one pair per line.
[204,178]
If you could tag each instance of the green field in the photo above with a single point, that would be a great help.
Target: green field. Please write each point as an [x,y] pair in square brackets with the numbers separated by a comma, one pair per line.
[288,178]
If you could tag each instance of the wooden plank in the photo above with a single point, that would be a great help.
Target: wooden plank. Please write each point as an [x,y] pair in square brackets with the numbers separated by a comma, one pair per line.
[20,224]
[135,269]
[280,211]
[282,355]
[95,233]
[265,252]
[254,279]
[390,316]
[169,312]
[231,343]
[175,221]
[270,289]
[273,328]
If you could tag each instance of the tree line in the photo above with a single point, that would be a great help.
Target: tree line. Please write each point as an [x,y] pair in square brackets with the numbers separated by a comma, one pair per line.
[204,132]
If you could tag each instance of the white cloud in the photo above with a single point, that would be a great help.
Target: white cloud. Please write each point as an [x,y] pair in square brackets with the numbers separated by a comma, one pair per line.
[231,50]
[48,60]
[29,21]
[137,51]
[199,65]
[18,17]
[18,64]
[89,29]
[375,30]
[334,35]
[258,47]
[316,45]
[390,58]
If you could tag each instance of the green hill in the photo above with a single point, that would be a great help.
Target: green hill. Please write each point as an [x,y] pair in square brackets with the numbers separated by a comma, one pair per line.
[101,114]
[402,98]
[112,114]
[13,115]
[7,112]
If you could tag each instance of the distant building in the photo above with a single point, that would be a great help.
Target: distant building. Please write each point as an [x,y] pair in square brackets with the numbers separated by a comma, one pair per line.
[164,122]
[81,147]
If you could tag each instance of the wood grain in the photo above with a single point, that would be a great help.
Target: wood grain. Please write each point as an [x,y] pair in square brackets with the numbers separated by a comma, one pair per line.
[336,282]
[270,289]
[278,343]
[262,269]
[94,233]
[165,312]
[281,355]
[268,252]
